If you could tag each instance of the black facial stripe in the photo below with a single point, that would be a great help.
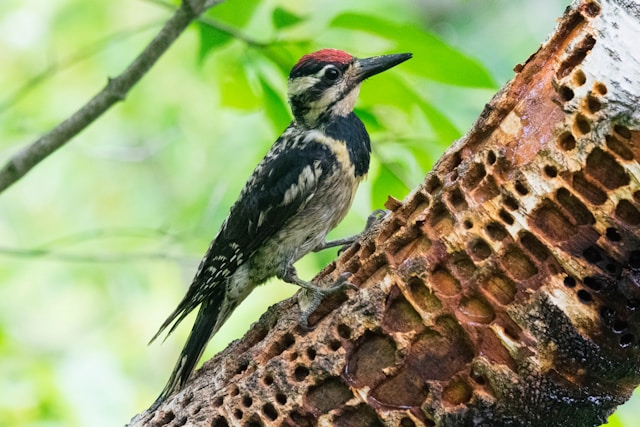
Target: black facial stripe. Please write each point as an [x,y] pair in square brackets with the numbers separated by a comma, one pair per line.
[310,68]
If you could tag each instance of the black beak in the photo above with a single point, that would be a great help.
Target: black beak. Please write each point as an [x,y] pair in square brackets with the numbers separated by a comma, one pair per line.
[368,67]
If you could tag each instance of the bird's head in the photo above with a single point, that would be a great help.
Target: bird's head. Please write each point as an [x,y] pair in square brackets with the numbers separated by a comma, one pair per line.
[326,83]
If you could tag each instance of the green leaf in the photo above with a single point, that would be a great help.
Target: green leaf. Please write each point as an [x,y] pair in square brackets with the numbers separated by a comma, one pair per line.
[211,38]
[432,58]
[276,107]
[283,18]
[235,13]
[235,89]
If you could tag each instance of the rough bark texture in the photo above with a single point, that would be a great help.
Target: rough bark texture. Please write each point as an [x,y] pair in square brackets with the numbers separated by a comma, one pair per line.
[503,291]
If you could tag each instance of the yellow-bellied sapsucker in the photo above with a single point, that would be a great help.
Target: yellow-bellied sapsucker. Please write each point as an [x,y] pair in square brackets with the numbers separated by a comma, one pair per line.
[301,190]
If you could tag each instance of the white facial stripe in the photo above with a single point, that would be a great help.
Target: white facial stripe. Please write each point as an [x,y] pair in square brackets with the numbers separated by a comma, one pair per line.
[302,84]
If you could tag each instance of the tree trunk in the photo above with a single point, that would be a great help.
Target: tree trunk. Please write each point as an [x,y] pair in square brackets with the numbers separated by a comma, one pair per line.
[505,290]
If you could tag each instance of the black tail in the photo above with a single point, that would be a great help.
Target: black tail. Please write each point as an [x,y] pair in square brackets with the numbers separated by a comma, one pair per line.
[206,324]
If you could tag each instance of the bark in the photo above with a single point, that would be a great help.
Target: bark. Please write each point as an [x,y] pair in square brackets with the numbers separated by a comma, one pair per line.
[505,290]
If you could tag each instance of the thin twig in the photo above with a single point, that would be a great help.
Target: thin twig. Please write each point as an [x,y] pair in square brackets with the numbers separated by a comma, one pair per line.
[77,57]
[115,90]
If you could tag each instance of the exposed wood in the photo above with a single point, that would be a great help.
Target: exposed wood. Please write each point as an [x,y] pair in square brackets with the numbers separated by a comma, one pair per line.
[505,290]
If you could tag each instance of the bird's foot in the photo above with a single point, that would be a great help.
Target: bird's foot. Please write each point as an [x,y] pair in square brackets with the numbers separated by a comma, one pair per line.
[317,294]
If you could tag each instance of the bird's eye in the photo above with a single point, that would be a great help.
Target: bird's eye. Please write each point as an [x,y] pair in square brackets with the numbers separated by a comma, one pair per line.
[331,73]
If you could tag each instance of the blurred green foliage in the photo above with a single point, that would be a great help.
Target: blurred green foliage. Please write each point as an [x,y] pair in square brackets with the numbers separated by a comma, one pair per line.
[99,242]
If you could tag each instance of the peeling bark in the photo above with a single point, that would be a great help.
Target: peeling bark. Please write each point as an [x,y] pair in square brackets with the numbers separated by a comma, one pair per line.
[505,290]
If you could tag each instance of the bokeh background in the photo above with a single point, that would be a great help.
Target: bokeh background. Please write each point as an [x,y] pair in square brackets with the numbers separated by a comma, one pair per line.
[99,242]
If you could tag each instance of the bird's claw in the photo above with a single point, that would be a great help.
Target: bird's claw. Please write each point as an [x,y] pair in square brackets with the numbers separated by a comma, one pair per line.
[318,294]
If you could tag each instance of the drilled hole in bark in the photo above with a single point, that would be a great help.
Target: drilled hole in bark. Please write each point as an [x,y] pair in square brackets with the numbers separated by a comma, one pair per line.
[433,184]
[566,141]
[407,422]
[479,249]
[510,202]
[612,268]
[592,254]
[579,78]
[344,331]
[593,104]
[512,334]
[550,171]
[302,420]
[468,224]
[311,353]
[618,147]
[521,188]
[499,287]
[286,341]
[357,416]
[566,93]
[167,417]
[552,222]
[593,283]
[247,401]
[474,175]
[628,213]
[238,414]
[506,217]
[270,411]
[603,167]
[478,377]
[491,157]
[590,9]
[457,200]
[588,190]
[444,282]
[581,125]
[334,345]
[242,367]
[268,380]
[570,282]
[476,310]
[220,422]
[584,296]
[300,373]
[234,391]
[293,356]
[623,131]
[619,326]
[328,394]
[254,421]
[626,340]
[517,264]
[600,88]
[457,392]
[577,54]
[496,231]
[534,246]
[281,398]
[580,213]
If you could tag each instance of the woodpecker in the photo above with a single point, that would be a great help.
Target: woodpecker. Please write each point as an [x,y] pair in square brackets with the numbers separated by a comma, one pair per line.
[300,191]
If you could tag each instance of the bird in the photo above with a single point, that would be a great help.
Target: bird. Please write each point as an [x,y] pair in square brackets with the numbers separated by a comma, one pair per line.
[300,190]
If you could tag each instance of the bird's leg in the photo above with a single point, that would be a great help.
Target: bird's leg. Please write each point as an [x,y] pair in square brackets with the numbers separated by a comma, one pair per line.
[316,293]
[375,217]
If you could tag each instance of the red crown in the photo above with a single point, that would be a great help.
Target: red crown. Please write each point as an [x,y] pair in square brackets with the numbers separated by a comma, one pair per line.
[325,55]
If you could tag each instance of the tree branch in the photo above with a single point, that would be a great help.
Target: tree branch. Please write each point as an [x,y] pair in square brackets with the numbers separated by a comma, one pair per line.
[115,91]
